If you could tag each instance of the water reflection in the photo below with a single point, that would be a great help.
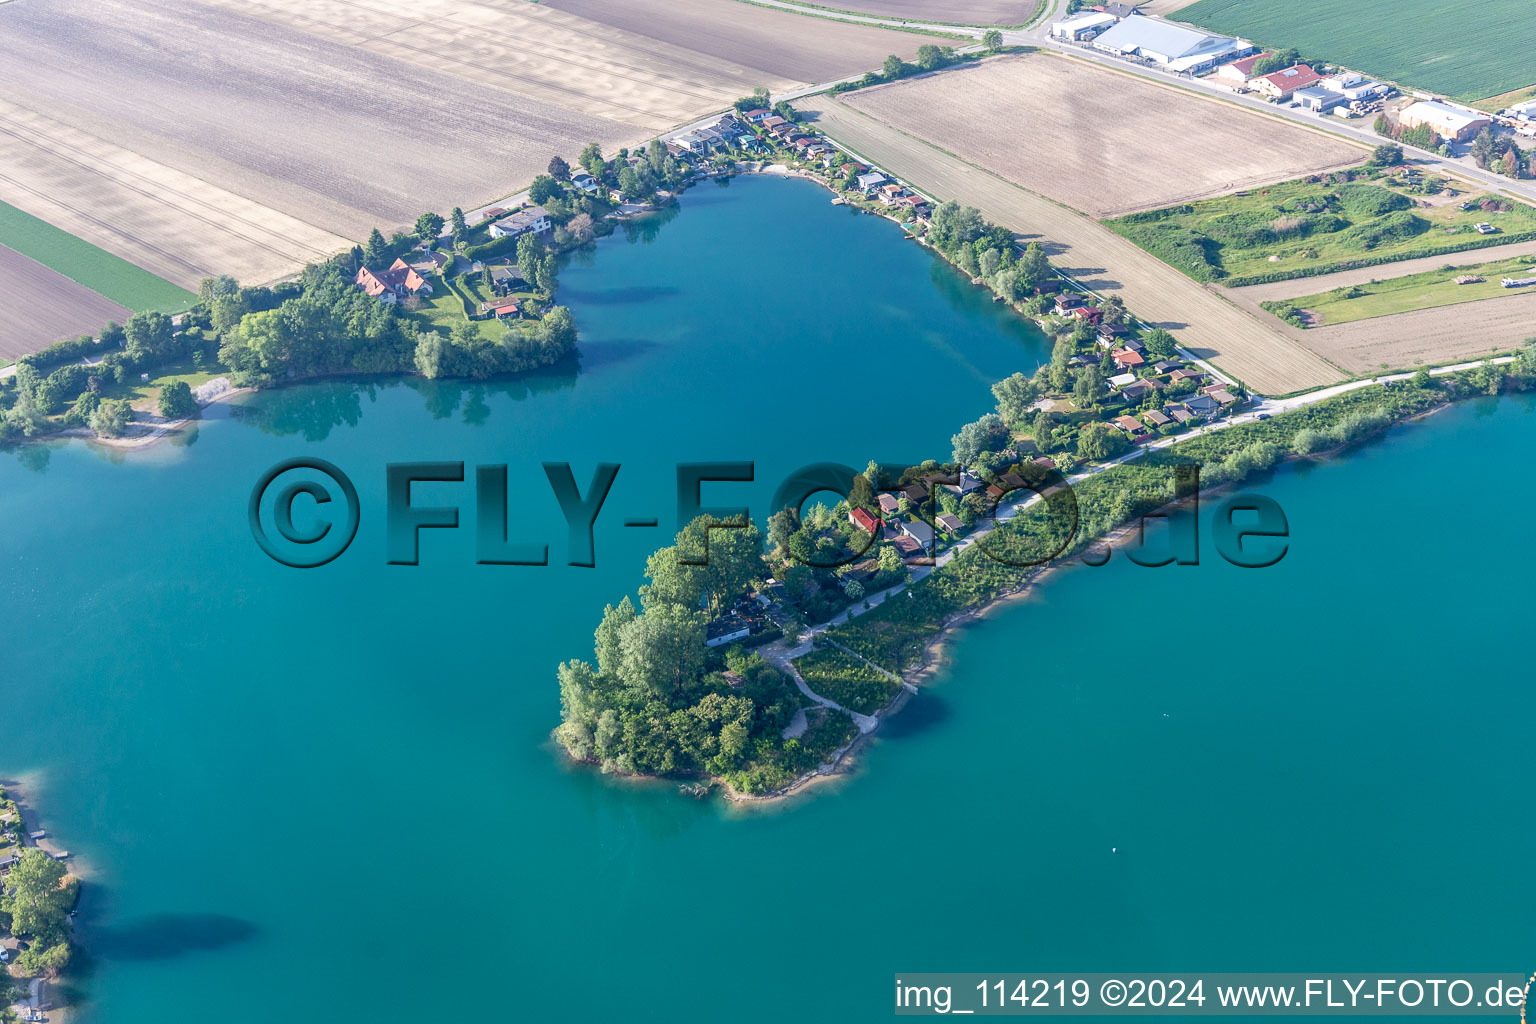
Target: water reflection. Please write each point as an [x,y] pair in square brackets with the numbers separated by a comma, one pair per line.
[313,410]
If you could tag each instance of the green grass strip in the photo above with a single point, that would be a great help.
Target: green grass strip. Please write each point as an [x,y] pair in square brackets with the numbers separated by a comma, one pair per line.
[80,261]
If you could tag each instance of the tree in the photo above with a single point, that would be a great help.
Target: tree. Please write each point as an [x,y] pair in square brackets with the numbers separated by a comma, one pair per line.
[544,188]
[1100,441]
[781,526]
[428,226]
[1159,343]
[953,225]
[854,591]
[759,100]
[111,419]
[893,67]
[176,401]
[929,57]
[1015,395]
[1388,154]
[458,223]
[37,897]
[1089,388]
[580,228]
[40,961]
[987,434]
[530,254]
[592,159]
[149,338]
[1042,429]
[1277,61]
[662,650]
[1485,148]
[992,39]
[1112,311]
[376,249]
[559,169]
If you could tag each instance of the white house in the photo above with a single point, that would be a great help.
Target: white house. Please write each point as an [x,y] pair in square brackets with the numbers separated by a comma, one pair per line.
[534,220]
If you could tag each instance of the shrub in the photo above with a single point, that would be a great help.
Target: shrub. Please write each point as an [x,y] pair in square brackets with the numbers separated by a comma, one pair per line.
[1364,200]
[1394,227]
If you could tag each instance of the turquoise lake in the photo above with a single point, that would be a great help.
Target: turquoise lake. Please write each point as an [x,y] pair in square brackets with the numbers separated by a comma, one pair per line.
[332,792]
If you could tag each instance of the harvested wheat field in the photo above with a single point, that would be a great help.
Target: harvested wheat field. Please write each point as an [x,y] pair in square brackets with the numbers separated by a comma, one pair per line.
[952,12]
[774,46]
[1100,141]
[249,137]
[1429,337]
[43,306]
[1205,323]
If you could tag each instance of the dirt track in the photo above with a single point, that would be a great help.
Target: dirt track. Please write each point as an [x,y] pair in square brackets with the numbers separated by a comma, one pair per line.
[1313,285]
[55,306]
[958,12]
[1101,142]
[1204,322]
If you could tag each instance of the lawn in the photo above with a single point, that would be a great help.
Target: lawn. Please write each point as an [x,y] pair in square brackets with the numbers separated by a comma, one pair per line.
[1306,228]
[144,396]
[1415,291]
[96,269]
[1466,51]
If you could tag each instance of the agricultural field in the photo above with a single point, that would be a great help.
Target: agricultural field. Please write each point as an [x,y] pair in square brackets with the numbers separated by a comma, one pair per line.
[1308,228]
[1096,139]
[1494,104]
[1464,51]
[121,283]
[952,12]
[1251,346]
[44,306]
[1425,290]
[1428,337]
[195,138]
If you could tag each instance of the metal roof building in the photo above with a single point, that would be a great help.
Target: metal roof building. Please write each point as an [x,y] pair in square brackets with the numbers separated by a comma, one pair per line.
[1176,47]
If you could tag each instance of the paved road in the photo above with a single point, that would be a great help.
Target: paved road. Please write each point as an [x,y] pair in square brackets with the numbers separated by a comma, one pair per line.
[1354,131]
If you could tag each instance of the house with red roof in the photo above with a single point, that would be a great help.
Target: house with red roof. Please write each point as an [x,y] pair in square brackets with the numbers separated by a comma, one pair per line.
[1281,84]
[863,520]
[1240,71]
[394,284]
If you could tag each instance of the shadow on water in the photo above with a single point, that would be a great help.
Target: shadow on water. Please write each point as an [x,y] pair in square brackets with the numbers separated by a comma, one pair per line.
[168,936]
[610,353]
[619,296]
[312,410]
[926,710]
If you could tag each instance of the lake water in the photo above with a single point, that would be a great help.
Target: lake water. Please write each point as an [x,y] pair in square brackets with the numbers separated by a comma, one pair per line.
[331,792]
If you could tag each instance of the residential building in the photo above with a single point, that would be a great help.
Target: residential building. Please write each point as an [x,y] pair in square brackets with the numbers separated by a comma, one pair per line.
[866,183]
[1202,405]
[584,181]
[863,520]
[888,504]
[394,284]
[965,484]
[950,522]
[1281,84]
[1240,71]
[534,220]
[918,531]
[1131,425]
[906,547]
[1126,359]
[1156,418]
[1120,380]
[723,631]
[1444,120]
